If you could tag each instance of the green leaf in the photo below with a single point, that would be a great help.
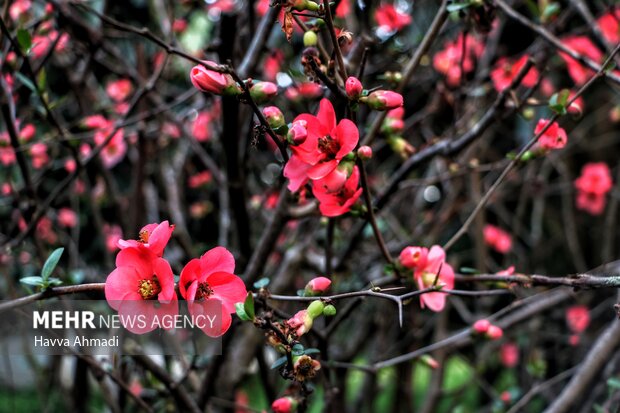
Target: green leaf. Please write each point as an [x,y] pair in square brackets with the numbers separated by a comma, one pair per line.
[550,11]
[298,350]
[614,383]
[52,282]
[51,263]
[279,362]
[312,351]
[24,39]
[241,312]
[457,7]
[34,281]
[468,270]
[262,283]
[248,305]
[558,101]
[42,79]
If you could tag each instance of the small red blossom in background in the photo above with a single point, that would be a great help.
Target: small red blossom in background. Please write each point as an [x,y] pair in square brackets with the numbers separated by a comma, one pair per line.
[509,354]
[481,326]
[119,90]
[585,47]
[592,187]
[578,318]
[211,277]
[390,19]
[284,405]
[304,90]
[199,179]
[497,238]
[506,70]
[114,150]
[429,269]
[450,61]
[553,138]
[67,218]
[609,25]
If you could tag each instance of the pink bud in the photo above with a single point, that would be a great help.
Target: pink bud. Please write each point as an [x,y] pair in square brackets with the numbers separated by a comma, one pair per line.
[482,326]
[364,152]
[494,332]
[262,92]
[429,361]
[413,257]
[284,405]
[298,133]
[353,88]
[318,285]
[214,82]
[67,218]
[274,116]
[384,100]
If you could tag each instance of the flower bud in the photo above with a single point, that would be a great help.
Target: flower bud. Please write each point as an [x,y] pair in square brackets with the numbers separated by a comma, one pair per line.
[353,88]
[274,117]
[429,361]
[316,308]
[284,405]
[301,5]
[297,133]
[310,38]
[482,326]
[494,332]
[364,152]
[401,146]
[301,322]
[317,286]
[262,92]
[392,126]
[383,100]
[329,311]
[214,82]
[413,257]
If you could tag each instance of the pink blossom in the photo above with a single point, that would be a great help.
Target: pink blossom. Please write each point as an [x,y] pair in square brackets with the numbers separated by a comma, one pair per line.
[326,143]
[141,276]
[509,354]
[199,179]
[20,9]
[578,318]
[384,100]
[497,238]
[210,81]
[301,322]
[353,87]
[263,92]
[317,286]
[553,138]
[44,231]
[152,238]
[592,187]
[201,128]
[450,61]
[38,152]
[413,257]
[7,154]
[27,132]
[272,64]
[212,278]
[434,269]
[67,218]
[114,150]
[97,122]
[585,47]
[113,234]
[506,70]
[609,25]
[119,90]
[494,332]
[305,90]
[284,405]
[481,326]
[391,19]
[179,25]
[336,203]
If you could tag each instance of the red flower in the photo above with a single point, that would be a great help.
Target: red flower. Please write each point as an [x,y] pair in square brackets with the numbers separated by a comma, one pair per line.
[305,90]
[449,61]
[506,70]
[578,318]
[139,280]
[497,238]
[201,127]
[584,46]
[114,151]
[553,138]
[211,278]
[119,90]
[509,354]
[592,187]
[339,202]
[153,238]
[67,218]
[390,19]
[317,286]
[428,266]
[327,142]
[284,405]
[609,25]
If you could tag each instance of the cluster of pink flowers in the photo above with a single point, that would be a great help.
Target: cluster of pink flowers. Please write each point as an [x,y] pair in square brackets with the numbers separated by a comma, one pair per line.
[450,60]
[592,187]
[391,19]
[38,150]
[322,154]
[143,275]
[429,269]
[497,238]
[506,70]
[114,151]
[119,91]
